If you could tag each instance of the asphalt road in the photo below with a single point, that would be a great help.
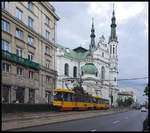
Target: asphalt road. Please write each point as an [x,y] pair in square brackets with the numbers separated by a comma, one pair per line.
[125,121]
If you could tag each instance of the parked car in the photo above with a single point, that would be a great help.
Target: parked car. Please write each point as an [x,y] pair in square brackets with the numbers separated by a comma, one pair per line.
[146,124]
[143,109]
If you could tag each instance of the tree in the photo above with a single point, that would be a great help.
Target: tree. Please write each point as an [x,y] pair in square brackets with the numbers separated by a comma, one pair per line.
[120,102]
[129,101]
[146,90]
[126,102]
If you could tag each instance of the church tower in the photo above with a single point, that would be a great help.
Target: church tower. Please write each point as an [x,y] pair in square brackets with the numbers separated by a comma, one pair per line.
[92,45]
[113,43]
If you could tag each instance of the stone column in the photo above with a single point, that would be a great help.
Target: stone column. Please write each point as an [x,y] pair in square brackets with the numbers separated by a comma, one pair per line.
[26,95]
[37,96]
[12,93]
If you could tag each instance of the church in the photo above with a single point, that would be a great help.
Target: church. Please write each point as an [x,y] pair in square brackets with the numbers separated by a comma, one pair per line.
[95,69]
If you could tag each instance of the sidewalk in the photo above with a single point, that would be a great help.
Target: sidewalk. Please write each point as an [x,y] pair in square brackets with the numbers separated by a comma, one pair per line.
[20,120]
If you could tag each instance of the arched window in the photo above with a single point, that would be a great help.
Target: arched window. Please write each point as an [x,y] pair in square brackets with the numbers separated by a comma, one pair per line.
[82,73]
[110,49]
[66,69]
[96,74]
[102,54]
[113,49]
[75,71]
[103,73]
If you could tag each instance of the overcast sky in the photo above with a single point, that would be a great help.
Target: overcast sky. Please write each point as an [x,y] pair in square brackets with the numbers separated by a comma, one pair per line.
[74,27]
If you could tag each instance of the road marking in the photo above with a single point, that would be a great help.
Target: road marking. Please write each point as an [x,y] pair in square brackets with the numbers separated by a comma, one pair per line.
[114,122]
[93,130]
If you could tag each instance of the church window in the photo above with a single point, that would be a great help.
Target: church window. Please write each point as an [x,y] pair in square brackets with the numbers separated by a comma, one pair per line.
[102,54]
[110,49]
[75,71]
[113,49]
[96,74]
[66,69]
[82,73]
[103,73]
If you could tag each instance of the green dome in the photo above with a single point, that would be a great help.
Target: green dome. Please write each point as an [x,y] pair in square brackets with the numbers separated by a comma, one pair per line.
[89,68]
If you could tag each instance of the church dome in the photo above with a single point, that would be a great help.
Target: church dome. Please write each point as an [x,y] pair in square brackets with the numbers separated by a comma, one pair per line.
[89,68]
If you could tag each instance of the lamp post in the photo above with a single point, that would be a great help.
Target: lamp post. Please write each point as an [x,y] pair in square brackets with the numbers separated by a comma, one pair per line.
[110,95]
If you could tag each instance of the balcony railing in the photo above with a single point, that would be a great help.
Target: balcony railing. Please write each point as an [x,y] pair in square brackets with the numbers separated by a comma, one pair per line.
[15,58]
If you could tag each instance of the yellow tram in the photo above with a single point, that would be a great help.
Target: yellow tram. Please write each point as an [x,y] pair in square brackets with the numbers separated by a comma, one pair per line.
[65,99]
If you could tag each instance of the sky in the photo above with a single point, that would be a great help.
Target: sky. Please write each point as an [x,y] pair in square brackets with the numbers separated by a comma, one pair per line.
[74,28]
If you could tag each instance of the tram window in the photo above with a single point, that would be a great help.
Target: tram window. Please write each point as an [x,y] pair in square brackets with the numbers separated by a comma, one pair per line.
[66,96]
[81,98]
[73,97]
[91,100]
[77,98]
[69,96]
[94,100]
[58,96]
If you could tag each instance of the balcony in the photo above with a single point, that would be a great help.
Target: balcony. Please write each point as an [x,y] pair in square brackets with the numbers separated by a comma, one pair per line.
[15,58]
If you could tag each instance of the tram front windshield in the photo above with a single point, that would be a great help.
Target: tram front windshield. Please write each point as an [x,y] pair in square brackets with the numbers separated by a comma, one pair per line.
[58,96]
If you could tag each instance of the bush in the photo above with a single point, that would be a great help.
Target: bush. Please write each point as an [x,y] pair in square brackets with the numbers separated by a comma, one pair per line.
[16,108]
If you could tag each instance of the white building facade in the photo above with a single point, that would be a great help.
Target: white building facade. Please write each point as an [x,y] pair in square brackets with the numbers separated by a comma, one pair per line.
[97,66]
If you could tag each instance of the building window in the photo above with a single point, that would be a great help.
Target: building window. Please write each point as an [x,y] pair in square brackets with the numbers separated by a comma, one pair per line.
[48,80]
[47,20]
[19,34]
[30,40]
[110,49]
[6,67]
[5,26]
[30,6]
[47,35]
[19,71]
[30,22]
[96,74]
[5,45]
[115,79]
[4,5]
[18,13]
[20,95]
[113,49]
[30,56]
[103,73]
[75,71]
[47,51]
[102,54]
[82,73]
[48,96]
[19,51]
[66,69]
[6,97]
[47,64]
[31,95]
[31,75]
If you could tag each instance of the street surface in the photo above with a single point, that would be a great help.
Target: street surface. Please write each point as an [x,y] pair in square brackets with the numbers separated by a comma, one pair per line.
[124,121]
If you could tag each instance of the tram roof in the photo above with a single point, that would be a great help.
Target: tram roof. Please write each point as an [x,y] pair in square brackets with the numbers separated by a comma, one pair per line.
[99,97]
[96,97]
[64,90]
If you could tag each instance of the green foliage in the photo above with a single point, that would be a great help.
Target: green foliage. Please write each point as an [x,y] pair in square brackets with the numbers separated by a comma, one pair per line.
[126,102]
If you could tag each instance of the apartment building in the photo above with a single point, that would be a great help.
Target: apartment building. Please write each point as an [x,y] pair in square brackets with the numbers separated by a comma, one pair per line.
[28,52]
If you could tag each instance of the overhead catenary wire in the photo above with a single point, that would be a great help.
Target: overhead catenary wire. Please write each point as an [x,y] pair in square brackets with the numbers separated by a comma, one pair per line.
[128,79]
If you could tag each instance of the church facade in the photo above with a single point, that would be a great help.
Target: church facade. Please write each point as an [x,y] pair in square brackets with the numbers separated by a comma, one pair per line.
[96,68]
